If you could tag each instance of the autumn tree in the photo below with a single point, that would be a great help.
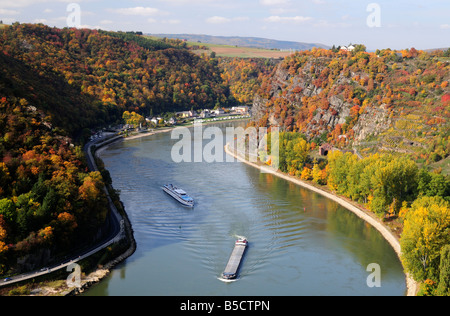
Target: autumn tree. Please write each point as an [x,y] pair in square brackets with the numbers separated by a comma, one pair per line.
[3,235]
[443,288]
[422,238]
[133,118]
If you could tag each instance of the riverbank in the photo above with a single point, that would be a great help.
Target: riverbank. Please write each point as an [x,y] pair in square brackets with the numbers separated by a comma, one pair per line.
[169,129]
[362,213]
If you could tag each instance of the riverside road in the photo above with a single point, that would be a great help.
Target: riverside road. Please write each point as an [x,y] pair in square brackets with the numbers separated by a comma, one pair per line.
[116,229]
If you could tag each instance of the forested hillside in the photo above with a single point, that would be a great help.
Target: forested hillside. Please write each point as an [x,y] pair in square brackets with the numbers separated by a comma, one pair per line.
[394,109]
[385,101]
[119,72]
[57,84]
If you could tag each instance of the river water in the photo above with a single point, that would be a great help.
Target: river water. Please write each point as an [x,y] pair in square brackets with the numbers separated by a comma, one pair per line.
[300,242]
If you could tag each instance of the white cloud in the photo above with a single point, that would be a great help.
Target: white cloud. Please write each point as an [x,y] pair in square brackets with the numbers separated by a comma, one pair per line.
[217,20]
[278,11]
[273,2]
[190,2]
[143,11]
[445,26]
[8,12]
[27,3]
[223,20]
[285,19]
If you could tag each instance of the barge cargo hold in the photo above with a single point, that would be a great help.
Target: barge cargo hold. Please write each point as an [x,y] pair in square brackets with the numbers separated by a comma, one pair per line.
[231,270]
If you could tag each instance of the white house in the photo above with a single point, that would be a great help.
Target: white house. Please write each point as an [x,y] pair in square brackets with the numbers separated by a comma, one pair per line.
[218,111]
[240,109]
[348,48]
[156,120]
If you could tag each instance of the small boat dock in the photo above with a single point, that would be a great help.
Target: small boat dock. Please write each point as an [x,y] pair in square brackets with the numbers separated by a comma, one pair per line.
[232,267]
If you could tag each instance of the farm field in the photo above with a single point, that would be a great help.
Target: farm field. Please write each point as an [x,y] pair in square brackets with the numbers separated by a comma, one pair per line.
[246,52]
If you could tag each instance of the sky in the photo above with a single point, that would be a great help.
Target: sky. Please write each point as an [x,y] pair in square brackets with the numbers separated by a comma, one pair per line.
[395,24]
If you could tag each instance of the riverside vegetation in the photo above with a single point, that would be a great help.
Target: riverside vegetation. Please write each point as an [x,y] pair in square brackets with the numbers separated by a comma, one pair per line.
[391,107]
[58,84]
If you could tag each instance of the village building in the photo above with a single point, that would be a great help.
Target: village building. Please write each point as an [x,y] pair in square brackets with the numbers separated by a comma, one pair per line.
[240,109]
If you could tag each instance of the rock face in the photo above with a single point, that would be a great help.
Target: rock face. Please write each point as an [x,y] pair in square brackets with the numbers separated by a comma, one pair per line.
[290,90]
[306,102]
[359,100]
[371,123]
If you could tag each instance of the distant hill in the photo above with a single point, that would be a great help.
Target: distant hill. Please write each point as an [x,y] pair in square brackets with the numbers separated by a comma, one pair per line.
[243,41]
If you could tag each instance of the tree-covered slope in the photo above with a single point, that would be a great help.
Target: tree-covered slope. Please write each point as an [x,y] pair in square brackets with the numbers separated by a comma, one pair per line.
[108,73]
[55,83]
[384,101]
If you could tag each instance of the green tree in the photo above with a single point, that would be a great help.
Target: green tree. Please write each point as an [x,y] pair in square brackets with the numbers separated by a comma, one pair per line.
[394,183]
[443,288]
[340,165]
[8,210]
[133,118]
[426,232]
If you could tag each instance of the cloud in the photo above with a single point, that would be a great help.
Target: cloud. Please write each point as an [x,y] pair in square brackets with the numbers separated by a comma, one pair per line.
[223,20]
[445,26]
[189,2]
[285,19]
[8,12]
[27,3]
[142,11]
[217,20]
[273,2]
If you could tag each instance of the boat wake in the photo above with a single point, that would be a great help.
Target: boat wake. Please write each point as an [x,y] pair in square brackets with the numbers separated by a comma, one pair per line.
[227,280]
[240,237]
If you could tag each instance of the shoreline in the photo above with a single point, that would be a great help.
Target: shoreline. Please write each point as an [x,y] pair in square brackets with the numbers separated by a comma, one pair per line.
[411,284]
[169,129]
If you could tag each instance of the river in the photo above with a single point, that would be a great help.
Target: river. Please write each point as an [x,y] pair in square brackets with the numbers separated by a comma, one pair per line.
[300,242]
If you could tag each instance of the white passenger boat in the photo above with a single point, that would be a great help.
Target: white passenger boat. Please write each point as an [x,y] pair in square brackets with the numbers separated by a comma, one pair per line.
[179,195]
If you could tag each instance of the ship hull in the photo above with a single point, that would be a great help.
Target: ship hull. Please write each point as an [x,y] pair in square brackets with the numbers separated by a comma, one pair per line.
[178,198]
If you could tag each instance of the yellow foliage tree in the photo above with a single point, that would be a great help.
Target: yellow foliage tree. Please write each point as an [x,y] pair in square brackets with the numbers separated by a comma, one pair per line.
[425,233]
[306,174]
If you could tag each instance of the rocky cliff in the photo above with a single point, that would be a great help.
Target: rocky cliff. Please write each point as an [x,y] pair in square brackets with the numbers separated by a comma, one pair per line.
[356,99]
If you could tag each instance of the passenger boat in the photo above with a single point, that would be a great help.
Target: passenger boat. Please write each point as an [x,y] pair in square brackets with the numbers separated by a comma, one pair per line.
[179,195]
[235,260]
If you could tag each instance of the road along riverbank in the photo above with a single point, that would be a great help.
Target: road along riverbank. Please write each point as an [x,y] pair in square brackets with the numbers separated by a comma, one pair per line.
[412,285]
[126,229]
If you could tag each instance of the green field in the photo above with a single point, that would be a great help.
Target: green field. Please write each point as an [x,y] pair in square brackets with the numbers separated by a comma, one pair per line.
[240,52]
[233,51]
